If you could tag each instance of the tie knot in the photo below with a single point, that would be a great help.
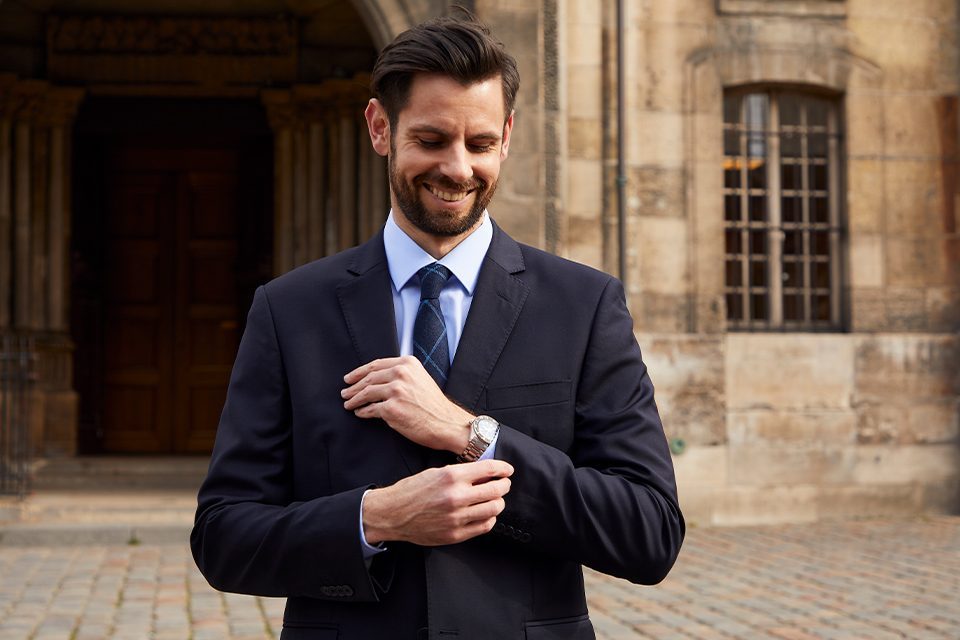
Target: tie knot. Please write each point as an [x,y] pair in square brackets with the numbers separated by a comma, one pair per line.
[432,278]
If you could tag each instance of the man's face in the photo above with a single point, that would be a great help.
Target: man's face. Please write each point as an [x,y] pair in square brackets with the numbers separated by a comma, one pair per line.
[445,153]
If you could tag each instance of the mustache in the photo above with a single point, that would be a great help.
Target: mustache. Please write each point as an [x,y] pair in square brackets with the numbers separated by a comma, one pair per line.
[443,182]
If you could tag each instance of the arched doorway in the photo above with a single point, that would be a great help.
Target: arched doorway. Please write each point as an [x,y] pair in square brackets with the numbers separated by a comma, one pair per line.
[190,190]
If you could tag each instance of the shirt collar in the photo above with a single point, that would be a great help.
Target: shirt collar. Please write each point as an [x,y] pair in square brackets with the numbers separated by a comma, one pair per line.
[405,257]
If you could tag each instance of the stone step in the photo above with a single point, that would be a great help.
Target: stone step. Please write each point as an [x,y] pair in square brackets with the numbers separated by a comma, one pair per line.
[97,517]
[86,473]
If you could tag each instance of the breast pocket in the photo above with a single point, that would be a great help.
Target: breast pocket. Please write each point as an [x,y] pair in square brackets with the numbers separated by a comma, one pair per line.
[542,410]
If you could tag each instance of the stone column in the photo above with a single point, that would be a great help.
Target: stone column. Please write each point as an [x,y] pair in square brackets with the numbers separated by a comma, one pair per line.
[282,116]
[330,191]
[59,111]
[6,199]
[34,247]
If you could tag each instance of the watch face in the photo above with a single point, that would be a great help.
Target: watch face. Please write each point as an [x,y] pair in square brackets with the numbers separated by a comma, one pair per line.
[486,428]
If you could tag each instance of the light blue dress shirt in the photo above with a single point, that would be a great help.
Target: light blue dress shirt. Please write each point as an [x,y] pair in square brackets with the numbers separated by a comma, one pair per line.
[404,259]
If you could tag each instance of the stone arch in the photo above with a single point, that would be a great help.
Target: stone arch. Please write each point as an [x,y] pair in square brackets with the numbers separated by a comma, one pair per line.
[384,19]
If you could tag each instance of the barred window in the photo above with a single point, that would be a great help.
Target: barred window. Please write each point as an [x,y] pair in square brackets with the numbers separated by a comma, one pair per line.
[781,200]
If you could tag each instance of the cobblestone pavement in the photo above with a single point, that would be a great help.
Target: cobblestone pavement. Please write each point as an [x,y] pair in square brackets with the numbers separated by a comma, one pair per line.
[867,579]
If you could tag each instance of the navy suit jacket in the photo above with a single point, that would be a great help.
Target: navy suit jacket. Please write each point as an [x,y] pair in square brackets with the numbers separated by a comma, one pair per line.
[547,349]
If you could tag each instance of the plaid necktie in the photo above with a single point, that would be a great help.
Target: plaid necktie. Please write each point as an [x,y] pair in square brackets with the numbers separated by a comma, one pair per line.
[429,330]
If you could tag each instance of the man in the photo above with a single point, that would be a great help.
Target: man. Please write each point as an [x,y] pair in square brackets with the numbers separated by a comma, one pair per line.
[426,436]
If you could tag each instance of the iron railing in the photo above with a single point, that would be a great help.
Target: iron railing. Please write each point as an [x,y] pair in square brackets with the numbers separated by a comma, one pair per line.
[17,357]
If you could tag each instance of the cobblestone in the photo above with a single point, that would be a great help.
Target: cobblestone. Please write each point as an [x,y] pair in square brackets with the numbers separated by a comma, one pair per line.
[866,579]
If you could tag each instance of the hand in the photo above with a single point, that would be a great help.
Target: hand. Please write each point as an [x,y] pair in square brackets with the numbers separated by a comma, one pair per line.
[438,506]
[400,392]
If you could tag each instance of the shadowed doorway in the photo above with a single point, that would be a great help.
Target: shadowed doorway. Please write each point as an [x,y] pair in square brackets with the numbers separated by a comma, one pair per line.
[172,232]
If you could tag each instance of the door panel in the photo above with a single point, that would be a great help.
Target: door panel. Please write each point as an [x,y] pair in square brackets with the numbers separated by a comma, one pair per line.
[171,298]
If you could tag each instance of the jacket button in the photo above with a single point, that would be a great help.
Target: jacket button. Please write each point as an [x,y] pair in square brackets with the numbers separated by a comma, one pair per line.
[525,537]
[498,527]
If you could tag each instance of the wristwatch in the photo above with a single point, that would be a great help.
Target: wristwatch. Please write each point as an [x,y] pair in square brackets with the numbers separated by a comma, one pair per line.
[483,429]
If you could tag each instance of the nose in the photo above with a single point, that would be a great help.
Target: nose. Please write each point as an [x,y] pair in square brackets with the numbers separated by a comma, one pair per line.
[456,164]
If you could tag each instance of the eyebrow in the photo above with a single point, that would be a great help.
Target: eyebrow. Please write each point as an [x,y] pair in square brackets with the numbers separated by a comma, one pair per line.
[426,128]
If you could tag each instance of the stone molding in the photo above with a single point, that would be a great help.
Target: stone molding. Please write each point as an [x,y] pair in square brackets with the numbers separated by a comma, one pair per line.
[166,36]
[211,51]
[303,104]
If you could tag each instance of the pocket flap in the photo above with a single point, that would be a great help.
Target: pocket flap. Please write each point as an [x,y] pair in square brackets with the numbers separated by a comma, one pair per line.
[528,395]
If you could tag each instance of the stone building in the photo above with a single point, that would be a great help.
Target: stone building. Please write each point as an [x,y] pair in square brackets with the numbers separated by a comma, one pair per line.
[776,181]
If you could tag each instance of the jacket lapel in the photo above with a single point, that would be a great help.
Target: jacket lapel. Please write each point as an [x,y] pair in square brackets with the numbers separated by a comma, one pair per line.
[366,300]
[497,301]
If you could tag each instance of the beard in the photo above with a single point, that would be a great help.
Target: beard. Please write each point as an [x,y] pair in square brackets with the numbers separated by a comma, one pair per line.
[438,223]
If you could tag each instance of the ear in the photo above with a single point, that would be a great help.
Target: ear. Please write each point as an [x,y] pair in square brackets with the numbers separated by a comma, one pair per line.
[507,129]
[378,124]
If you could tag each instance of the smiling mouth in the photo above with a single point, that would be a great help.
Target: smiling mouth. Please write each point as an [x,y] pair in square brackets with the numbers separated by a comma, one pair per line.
[447,196]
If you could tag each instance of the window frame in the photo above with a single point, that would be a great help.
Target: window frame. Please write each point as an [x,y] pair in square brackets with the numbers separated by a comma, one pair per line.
[772,225]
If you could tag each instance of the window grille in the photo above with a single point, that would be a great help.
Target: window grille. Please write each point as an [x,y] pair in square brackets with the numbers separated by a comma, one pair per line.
[781,201]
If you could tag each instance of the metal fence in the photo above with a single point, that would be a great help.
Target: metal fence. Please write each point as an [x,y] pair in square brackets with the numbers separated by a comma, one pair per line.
[16,380]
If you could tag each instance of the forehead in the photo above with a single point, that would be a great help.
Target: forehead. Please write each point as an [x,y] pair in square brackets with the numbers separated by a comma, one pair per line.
[442,102]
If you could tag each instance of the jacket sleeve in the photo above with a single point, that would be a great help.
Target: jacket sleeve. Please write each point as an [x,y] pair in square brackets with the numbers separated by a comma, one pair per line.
[249,536]
[610,501]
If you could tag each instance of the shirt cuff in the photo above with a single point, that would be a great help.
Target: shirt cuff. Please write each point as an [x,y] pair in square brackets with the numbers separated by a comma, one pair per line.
[491,451]
[367,549]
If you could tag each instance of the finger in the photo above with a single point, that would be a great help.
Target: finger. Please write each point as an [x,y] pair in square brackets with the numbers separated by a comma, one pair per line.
[493,490]
[376,376]
[374,365]
[372,410]
[483,511]
[483,470]
[475,529]
[370,393]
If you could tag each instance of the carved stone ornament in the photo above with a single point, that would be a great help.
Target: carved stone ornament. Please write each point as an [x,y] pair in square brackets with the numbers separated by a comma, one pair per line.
[172,36]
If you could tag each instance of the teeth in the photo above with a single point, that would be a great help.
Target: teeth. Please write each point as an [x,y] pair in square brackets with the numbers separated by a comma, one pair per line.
[448,196]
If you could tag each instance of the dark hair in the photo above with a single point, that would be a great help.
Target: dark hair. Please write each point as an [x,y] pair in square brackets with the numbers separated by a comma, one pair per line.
[461,48]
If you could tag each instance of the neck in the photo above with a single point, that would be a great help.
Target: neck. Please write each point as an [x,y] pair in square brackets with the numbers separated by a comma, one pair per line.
[436,246]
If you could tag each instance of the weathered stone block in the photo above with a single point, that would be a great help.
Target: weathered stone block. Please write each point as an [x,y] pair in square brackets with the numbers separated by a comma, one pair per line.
[583,44]
[864,124]
[655,138]
[907,50]
[659,192]
[868,309]
[880,423]
[866,260]
[865,205]
[584,241]
[661,313]
[767,505]
[933,423]
[662,247]
[521,175]
[900,369]
[764,465]
[585,138]
[789,371]
[914,262]
[584,193]
[789,429]
[873,501]
[585,91]
[906,465]
[911,120]
[687,373]
[914,196]
[521,217]
[905,309]
[943,309]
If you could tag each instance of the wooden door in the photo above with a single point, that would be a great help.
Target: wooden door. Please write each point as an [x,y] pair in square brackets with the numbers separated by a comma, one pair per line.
[170,298]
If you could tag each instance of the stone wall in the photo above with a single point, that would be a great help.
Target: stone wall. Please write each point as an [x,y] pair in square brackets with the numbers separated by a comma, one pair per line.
[775,426]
